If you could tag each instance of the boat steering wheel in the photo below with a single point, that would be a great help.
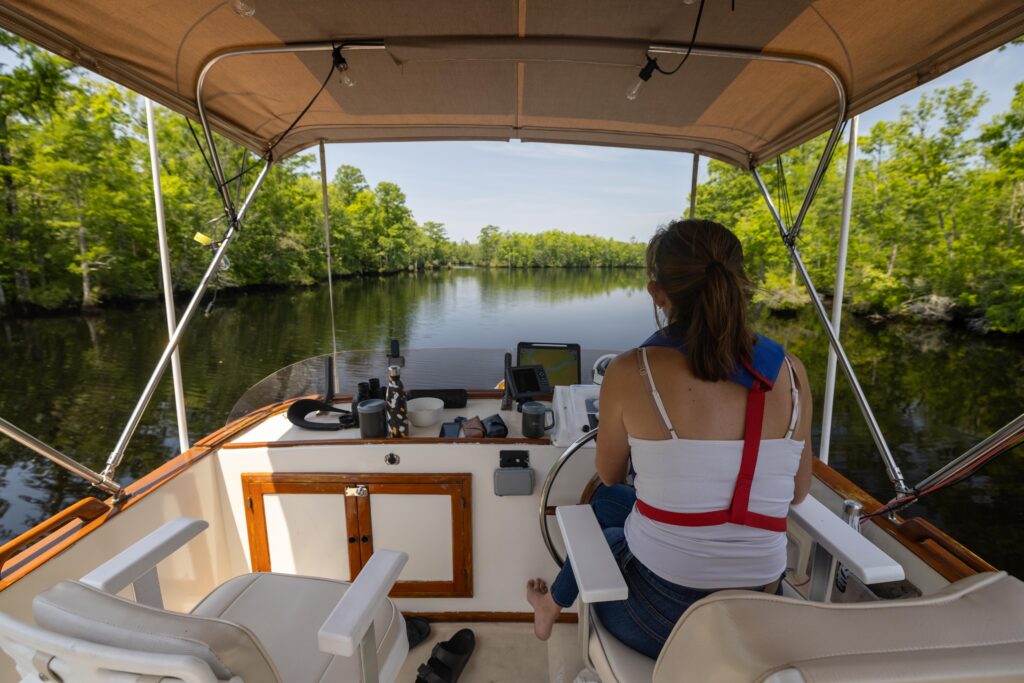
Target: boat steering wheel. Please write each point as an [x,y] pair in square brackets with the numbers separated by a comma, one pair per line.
[547,511]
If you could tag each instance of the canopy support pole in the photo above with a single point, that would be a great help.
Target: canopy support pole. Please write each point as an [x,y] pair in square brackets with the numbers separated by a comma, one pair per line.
[788,238]
[100,481]
[165,277]
[327,245]
[1008,436]
[693,184]
[179,331]
[837,297]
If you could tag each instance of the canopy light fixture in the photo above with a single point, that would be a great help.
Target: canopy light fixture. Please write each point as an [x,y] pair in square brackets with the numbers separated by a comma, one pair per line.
[652,64]
[644,76]
[341,66]
[244,8]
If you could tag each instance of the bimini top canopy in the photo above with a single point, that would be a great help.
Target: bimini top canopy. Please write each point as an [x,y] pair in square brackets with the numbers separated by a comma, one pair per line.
[539,70]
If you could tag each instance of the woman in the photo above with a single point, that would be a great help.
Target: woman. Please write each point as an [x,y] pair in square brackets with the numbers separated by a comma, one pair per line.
[717,423]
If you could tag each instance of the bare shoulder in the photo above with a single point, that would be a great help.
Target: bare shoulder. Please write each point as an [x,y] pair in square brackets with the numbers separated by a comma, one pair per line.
[620,376]
[622,366]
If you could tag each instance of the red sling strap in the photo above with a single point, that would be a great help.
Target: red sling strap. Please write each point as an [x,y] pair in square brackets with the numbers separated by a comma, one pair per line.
[738,512]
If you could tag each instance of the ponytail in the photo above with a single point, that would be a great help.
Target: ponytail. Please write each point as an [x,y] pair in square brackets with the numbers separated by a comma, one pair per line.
[699,266]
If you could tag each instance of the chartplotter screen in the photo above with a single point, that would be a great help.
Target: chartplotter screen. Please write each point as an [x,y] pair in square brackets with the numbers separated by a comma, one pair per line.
[561,361]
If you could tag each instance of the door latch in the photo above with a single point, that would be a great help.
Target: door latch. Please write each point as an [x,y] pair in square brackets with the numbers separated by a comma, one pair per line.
[357,491]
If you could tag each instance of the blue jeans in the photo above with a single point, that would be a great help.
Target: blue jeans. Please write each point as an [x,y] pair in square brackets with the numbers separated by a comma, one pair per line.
[645,619]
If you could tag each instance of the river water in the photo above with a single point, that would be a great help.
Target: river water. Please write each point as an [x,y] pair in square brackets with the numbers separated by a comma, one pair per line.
[73,380]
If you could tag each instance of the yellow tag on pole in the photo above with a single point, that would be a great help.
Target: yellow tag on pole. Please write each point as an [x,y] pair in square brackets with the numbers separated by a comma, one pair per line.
[202,239]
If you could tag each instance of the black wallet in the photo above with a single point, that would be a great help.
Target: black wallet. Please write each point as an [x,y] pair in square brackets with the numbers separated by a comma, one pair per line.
[495,427]
[450,430]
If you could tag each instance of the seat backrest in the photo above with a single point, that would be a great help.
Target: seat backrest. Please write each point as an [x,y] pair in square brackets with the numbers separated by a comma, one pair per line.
[971,630]
[73,609]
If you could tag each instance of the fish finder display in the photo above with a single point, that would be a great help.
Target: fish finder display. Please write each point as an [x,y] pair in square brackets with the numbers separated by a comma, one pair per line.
[561,362]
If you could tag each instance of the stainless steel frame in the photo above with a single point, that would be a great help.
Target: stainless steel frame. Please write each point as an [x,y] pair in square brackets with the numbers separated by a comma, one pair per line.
[892,469]
[165,358]
[100,481]
[1007,437]
[330,266]
[545,491]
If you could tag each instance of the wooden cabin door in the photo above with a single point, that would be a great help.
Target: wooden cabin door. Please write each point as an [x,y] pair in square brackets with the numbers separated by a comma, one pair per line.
[327,524]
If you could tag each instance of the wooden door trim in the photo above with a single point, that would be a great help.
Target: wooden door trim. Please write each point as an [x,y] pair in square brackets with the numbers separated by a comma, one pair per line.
[358,519]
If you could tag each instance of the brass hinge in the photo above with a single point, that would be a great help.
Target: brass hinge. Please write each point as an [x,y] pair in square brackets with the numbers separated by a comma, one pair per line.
[358,491]
[463,501]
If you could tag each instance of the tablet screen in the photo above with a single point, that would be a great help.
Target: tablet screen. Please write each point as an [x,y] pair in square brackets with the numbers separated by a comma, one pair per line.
[561,361]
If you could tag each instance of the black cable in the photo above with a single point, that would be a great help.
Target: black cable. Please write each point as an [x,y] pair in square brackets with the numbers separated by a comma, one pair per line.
[202,150]
[241,165]
[693,41]
[782,192]
[652,64]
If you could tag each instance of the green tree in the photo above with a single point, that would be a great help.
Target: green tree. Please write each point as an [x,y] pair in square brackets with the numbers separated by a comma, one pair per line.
[29,90]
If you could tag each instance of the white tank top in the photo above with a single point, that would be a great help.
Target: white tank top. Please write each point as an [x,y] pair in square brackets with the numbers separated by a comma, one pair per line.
[690,476]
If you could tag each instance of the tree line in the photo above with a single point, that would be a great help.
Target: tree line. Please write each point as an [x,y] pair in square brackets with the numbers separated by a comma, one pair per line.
[937,226]
[937,229]
[77,223]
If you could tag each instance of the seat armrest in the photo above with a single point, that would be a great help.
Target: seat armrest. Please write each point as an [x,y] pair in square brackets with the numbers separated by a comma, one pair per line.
[343,631]
[855,552]
[141,557]
[597,573]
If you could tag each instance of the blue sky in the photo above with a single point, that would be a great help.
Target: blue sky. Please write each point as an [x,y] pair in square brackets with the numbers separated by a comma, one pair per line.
[612,192]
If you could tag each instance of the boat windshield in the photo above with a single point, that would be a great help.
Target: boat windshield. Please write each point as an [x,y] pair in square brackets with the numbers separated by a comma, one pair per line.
[449,368]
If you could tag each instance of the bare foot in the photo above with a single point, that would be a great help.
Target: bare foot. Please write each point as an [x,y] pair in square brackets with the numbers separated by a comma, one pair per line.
[545,611]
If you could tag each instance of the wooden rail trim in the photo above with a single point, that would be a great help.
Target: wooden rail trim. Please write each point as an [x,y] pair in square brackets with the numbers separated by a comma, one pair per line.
[933,546]
[85,510]
[63,537]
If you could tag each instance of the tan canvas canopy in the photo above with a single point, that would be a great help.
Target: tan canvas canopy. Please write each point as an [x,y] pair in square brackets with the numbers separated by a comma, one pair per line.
[537,70]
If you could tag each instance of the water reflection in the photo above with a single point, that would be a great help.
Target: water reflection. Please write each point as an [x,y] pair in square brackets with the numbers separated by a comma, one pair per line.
[73,380]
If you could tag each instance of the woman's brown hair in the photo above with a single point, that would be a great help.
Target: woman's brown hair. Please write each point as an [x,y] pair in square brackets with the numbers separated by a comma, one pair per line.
[698,264]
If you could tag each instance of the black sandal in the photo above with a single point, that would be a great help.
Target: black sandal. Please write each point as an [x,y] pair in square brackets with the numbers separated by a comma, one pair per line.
[416,629]
[448,659]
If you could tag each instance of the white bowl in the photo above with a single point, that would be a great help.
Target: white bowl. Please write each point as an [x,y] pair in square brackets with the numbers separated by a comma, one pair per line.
[425,411]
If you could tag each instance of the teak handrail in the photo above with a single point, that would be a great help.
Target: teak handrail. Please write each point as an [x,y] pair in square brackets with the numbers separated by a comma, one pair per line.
[84,510]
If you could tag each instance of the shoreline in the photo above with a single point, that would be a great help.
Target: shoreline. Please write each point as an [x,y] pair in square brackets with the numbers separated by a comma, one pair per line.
[957,320]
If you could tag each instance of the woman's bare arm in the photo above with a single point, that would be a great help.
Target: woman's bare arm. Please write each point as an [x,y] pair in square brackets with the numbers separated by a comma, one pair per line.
[612,458]
[803,432]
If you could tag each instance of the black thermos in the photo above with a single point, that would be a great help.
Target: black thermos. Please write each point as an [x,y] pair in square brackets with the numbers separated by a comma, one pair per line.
[375,390]
[362,394]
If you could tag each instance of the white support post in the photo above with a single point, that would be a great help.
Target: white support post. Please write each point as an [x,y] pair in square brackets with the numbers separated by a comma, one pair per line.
[165,278]
[330,269]
[693,184]
[837,299]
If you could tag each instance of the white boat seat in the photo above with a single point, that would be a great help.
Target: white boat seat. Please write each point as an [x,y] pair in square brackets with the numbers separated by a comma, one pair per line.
[971,630]
[261,627]
[256,628]
[284,613]
[71,608]
[615,661]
